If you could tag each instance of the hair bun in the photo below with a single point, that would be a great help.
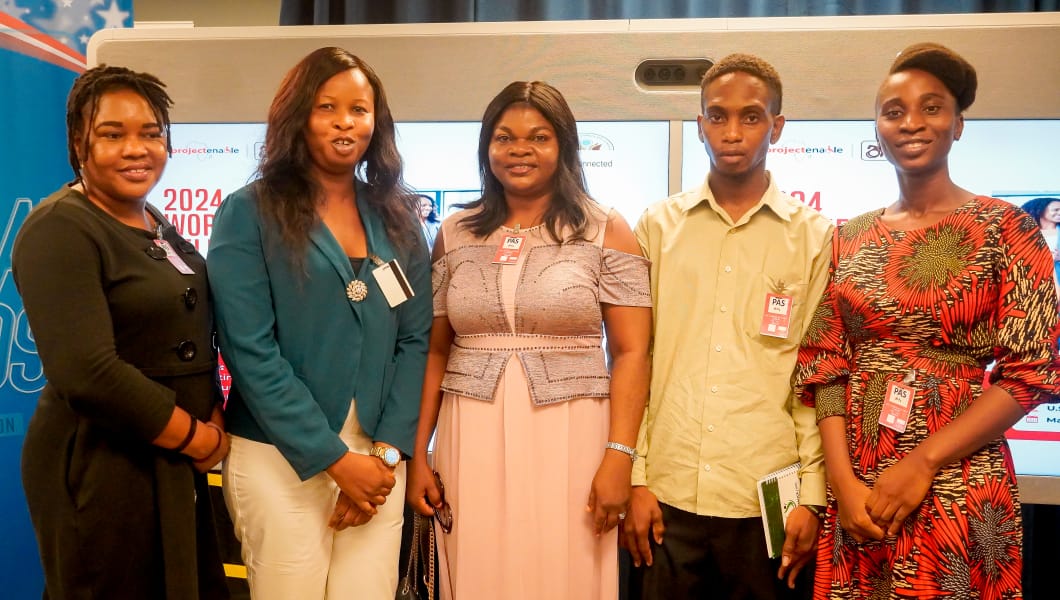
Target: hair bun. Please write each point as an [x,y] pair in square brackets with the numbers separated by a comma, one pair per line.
[956,73]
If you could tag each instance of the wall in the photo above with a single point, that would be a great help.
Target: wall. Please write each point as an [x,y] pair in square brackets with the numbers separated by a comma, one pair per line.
[210,13]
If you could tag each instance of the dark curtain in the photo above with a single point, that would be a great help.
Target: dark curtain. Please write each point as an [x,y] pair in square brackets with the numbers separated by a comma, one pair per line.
[324,12]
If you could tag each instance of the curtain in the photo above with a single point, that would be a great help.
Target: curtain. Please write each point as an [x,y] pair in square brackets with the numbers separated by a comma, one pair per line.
[324,12]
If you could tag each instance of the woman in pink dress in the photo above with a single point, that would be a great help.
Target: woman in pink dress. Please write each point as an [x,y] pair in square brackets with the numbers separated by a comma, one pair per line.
[534,437]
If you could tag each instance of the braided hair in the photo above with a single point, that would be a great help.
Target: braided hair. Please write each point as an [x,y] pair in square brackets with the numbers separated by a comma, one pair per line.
[83,104]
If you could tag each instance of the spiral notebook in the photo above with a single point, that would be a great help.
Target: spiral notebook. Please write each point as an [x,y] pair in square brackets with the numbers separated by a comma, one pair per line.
[778,495]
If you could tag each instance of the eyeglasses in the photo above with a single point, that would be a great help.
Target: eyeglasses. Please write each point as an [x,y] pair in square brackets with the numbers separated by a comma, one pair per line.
[444,514]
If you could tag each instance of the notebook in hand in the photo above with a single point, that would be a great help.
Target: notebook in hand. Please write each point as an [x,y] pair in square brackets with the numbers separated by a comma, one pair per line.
[778,495]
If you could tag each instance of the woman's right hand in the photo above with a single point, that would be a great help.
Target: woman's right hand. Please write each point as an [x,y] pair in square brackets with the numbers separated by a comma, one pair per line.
[421,489]
[854,517]
[365,479]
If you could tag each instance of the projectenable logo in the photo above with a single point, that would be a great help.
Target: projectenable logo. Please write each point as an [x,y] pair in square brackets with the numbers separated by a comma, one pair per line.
[204,152]
[871,150]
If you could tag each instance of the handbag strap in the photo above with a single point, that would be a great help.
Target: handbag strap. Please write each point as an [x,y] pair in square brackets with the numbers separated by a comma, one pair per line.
[412,570]
[431,557]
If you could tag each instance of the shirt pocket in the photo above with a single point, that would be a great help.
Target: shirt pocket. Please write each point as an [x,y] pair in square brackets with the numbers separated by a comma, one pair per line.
[781,284]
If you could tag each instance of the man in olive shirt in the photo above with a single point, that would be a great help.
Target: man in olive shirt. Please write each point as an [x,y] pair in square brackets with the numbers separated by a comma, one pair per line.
[738,268]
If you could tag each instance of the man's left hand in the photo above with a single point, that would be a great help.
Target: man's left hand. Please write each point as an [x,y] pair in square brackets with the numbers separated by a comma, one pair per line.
[800,543]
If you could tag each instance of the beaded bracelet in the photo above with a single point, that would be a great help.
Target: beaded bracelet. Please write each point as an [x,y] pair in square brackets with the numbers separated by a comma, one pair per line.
[191,435]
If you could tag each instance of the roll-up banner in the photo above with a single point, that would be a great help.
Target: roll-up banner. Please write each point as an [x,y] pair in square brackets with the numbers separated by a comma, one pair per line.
[42,50]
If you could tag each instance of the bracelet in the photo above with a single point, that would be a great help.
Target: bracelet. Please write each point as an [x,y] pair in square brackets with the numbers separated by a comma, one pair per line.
[624,449]
[220,439]
[191,435]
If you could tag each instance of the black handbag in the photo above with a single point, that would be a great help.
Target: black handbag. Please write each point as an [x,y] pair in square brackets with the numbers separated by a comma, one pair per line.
[418,581]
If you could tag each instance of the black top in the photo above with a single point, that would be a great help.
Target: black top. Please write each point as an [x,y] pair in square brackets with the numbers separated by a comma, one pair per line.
[122,336]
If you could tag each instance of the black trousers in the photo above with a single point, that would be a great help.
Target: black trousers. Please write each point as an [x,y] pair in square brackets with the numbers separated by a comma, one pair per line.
[713,557]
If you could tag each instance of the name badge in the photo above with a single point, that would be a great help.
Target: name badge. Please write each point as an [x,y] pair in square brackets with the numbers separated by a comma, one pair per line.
[392,281]
[896,406]
[776,316]
[174,258]
[510,249]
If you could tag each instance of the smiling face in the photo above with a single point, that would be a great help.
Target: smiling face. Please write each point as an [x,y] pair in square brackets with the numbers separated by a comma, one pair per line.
[524,153]
[341,123]
[738,125]
[426,207]
[1051,214]
[917,121]
[126,150]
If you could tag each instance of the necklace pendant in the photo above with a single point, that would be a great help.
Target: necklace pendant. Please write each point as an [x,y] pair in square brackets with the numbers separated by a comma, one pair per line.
[356,290]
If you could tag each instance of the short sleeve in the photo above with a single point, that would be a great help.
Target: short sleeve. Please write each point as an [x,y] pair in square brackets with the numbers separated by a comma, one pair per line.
[623,279]
[823,367]
[440,285]
[1027,364]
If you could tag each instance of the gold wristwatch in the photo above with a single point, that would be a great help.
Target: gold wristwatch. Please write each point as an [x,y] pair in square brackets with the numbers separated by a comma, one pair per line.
[390,456]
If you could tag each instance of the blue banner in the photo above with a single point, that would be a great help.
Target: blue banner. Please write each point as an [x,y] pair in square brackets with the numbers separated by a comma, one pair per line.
[42,45]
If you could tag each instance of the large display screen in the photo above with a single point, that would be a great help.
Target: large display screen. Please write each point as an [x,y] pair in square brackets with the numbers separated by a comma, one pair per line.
[837,168]
[626,166]
[834,166]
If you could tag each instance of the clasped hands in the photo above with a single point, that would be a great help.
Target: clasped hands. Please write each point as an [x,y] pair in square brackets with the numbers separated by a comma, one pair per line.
[364,484]
[879,512]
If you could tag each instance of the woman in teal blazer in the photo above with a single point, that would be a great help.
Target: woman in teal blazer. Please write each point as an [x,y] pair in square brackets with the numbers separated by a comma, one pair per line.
[323,304]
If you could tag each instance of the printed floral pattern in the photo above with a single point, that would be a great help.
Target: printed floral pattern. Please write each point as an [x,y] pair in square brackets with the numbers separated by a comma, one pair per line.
[936,305]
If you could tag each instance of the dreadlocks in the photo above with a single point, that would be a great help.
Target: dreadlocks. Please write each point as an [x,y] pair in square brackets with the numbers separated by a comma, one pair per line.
[93,84]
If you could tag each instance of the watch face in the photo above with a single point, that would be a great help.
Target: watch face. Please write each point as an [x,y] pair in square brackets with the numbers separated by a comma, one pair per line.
[391,457]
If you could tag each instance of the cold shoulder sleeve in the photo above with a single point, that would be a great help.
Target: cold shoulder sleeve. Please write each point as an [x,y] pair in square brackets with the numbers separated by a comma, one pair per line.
[1027,364]
[624,279]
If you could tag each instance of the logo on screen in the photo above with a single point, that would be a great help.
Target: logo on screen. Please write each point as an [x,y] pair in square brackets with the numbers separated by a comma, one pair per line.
[594,142]
[871,150]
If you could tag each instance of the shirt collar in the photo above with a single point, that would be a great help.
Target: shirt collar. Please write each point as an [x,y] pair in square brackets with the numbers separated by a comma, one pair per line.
[773,198]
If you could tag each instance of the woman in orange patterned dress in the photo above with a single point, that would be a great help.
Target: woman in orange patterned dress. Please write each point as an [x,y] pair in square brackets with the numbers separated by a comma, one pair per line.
[926,293]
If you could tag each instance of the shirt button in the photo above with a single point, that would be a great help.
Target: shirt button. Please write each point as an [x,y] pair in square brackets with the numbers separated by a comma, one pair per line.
[186,350]
[710,428]
[714,389]
[728,269]
[717,348]
[724,308]
[706,468]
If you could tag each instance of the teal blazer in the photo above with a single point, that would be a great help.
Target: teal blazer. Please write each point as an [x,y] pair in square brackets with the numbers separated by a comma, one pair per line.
[299,350]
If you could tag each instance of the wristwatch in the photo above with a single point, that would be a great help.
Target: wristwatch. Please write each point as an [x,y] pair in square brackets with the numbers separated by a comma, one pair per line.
[817,511]
[390,456]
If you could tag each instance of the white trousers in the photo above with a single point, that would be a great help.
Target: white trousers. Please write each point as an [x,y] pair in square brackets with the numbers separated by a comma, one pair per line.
[282,523]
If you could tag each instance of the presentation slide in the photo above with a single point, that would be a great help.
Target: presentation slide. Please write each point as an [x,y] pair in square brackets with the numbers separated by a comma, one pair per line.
[626,166]
[837,168]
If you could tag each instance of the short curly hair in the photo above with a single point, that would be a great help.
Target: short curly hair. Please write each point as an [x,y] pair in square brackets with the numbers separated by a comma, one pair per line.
[752,65]
[1036,207]
[956,73]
